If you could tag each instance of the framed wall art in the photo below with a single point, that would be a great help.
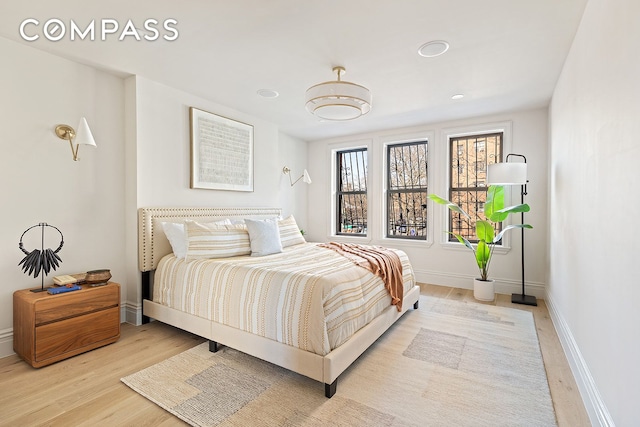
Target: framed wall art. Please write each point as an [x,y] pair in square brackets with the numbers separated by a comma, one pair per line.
[221,152]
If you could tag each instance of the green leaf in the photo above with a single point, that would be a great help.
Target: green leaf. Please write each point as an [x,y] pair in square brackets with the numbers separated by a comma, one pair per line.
[495,203]
[495,211]
[438,199]
[449,204]
[484,231]
[515,209]
[483,254]
[510,227]
[463,241]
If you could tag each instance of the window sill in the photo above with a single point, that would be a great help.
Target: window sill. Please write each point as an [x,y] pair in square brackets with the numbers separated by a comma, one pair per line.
[407,243]
[349,239]
[455,246]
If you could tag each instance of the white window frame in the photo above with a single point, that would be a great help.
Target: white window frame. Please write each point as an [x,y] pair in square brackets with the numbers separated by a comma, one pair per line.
[333,190]
[428,136]
[506,128]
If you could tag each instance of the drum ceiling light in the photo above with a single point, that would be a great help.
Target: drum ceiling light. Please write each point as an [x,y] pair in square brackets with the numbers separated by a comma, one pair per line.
[338,100]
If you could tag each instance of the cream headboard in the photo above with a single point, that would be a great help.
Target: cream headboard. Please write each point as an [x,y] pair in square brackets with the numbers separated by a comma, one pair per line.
[153,244]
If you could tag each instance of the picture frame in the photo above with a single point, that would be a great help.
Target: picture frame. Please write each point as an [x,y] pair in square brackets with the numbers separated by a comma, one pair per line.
[221,152]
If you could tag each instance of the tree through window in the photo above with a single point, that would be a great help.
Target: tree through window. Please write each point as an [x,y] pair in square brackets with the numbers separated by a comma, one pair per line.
[407,190]
[352,192]
[470,156]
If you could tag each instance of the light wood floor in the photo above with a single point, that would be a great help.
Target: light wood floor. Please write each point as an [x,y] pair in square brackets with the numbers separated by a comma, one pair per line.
[86,390]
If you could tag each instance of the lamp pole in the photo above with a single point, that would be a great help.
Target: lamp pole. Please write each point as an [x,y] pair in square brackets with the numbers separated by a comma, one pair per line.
[522,298]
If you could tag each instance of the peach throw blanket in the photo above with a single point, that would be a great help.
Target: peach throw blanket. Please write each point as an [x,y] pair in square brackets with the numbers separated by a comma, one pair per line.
[381,261]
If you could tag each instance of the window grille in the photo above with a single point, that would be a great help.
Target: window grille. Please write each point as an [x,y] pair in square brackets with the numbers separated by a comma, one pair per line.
[470,156]
[407,190]
[352,192]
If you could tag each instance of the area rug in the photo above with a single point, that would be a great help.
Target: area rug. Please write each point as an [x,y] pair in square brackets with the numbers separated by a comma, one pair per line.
[448,363]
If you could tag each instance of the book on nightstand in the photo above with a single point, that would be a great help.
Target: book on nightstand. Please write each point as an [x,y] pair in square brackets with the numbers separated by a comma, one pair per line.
[63,289]
[64,280]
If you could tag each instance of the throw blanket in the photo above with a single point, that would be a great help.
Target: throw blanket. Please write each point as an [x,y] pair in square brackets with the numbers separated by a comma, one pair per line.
[379,260]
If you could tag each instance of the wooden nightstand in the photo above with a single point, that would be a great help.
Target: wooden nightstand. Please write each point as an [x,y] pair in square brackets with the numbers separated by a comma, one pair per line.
[48,328]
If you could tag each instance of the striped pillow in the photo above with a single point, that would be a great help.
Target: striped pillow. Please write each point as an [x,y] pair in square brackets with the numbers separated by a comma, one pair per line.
[177,236]
[289,232]
[216,241]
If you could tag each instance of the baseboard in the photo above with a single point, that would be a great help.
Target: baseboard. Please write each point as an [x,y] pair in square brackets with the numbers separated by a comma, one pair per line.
[132,313]
[596,409]
[462,281]
[6,342]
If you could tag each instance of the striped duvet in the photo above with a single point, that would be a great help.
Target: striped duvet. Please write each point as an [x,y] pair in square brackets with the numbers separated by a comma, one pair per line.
[307,296]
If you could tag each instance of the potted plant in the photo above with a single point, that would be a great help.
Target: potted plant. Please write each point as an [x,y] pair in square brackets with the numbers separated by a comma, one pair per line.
[495,211]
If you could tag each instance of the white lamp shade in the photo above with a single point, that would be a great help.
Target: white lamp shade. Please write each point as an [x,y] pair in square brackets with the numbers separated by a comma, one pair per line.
[507,174]
[84,136]
[338,100]
[305,177]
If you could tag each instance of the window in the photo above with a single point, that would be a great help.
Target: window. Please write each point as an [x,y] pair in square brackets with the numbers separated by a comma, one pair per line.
[352,192]
[470,156]
[407,190]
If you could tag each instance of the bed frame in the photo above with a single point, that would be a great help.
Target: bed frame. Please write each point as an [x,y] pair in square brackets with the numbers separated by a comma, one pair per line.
[153,245]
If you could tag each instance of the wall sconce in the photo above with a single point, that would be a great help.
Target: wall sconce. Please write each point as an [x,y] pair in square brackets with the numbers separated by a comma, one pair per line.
[82,137]
[305,176]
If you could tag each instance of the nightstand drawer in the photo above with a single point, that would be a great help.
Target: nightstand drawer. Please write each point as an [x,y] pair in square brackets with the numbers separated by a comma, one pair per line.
[62,306]
[48,328]
[77,335]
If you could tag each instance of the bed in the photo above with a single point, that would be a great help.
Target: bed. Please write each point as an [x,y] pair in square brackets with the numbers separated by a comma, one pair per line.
[245,307]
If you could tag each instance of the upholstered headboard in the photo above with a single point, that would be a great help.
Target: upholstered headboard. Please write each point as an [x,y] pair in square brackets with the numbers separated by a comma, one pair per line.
[153,244]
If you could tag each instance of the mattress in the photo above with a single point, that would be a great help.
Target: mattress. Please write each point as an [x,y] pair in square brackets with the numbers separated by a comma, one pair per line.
[308,297]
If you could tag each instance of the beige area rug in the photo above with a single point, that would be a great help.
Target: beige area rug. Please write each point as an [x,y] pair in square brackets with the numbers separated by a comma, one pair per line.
[448,363]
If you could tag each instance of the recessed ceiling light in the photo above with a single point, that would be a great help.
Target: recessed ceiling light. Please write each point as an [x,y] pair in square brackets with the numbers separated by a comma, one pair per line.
[268,93]
[457,96]
[433,48]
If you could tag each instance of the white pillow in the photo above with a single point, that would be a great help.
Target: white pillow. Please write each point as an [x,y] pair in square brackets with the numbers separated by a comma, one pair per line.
[264,236]
[289,232]
[177,236]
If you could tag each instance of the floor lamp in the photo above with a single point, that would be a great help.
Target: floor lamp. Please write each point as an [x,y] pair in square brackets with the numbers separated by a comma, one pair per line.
[514,173]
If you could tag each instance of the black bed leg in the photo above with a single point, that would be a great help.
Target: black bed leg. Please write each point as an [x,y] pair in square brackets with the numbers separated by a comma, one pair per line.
[213,346]
[416,305]
[330,389]
[146,293]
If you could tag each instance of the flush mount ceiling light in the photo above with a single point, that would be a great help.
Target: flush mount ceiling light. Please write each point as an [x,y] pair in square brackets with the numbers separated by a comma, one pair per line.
[433,48]
[338,100]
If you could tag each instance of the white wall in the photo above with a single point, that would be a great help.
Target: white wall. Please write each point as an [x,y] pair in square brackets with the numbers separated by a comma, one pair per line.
[41,182]
[594,210]
[142,159]
[293,153]
[158,128]
[435,261]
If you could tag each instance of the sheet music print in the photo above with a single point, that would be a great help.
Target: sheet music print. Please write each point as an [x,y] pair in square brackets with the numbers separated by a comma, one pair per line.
[225,153]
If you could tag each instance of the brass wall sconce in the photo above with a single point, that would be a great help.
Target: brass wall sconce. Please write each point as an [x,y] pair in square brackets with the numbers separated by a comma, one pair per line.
[304,177]
[82,137]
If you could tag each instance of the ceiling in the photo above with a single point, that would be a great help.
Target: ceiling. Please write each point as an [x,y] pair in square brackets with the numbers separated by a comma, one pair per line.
[504,55]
